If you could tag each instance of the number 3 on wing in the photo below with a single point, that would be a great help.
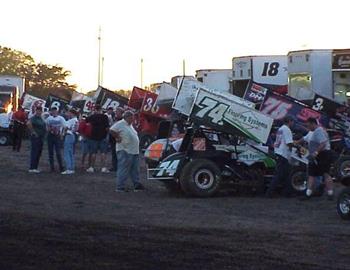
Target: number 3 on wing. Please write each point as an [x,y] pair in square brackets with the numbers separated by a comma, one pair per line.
[213,109]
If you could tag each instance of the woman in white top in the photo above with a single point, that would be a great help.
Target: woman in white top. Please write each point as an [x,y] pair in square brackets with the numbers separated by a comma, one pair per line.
[71,127]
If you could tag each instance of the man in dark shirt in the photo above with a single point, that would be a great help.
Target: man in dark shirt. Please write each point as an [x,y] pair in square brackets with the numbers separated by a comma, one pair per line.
[98,139]
[37,128]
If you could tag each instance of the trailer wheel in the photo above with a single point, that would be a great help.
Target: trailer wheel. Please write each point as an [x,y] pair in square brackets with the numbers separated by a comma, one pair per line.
[4,139]
[200,178]
[343,204]
[298,178]
[342,167]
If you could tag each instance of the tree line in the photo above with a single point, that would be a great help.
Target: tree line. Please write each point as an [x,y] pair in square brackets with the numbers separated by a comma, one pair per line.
[41,79]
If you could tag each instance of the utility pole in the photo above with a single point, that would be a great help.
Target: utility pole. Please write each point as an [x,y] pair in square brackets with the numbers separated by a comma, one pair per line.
[141,72]
[102,69]
[184,67]
[99,58]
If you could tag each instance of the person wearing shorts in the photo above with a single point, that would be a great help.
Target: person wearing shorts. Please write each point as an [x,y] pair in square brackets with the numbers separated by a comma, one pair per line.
[97,142]
[320,158]
[97,146]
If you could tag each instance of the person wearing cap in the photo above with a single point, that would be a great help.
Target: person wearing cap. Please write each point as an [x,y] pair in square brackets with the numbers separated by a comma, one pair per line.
[127,148]
[110,114]
[70,129]
[55,125]
[37,129]
[282,147]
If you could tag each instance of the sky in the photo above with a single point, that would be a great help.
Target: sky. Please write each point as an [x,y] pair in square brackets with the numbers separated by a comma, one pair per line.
[207,34]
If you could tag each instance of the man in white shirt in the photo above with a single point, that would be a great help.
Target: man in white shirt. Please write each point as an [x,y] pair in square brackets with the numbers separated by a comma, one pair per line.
[283,145]
[55,124]
[127,148]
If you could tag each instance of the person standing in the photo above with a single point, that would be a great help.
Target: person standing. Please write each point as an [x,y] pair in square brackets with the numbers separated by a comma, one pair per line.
[127,148]
[320,158]
[55,125]
[70,129]
[282,146]
[19,119]
[84,131]
[118,116]
[37,128]
[110,114]
[98,139]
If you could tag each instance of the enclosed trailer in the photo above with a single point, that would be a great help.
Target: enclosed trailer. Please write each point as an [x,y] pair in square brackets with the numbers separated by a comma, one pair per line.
[310,72]
[341,75]
[12,80]
[269,71]
[218,79]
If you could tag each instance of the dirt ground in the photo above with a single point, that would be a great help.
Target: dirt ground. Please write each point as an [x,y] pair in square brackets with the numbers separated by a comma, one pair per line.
[49,221]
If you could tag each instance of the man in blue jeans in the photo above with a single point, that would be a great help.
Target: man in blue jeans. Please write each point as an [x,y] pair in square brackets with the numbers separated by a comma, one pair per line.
[37,128]
[55,124]
[71,128]
[283,146]
[127,148]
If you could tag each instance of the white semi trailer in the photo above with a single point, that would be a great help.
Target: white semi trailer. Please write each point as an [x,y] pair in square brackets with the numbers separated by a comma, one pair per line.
[12,80]
[11,90]
[270,71]
[323,72]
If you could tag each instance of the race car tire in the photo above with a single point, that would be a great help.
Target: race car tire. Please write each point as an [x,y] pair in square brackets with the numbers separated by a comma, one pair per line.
[342,167]
[343,204]
[298,179]
[4,139]
[200,178]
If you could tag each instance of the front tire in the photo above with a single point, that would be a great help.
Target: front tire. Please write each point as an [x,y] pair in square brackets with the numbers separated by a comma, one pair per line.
[298,178]
[200,178]
[343,204]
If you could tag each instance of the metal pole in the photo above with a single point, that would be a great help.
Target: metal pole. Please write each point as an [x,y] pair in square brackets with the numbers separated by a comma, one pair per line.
[141,72]
[184,67]
[102,69]
[99,58]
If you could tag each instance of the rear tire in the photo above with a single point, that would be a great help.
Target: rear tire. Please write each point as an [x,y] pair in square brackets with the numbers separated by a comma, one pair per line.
[342,167]
[4,139]
[343,204]
[298,178]
[200,178]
